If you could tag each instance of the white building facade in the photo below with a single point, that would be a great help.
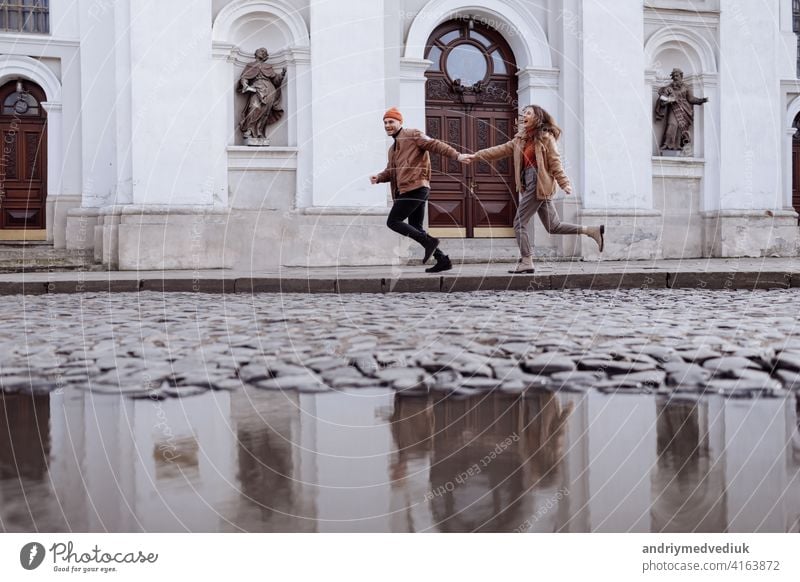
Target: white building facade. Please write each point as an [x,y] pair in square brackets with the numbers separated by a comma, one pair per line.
[129,144]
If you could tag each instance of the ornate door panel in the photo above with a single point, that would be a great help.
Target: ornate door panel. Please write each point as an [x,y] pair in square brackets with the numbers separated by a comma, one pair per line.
[471,104]
[23,169]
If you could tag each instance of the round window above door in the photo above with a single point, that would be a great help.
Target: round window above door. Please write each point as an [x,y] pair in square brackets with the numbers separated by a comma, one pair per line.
[467,63]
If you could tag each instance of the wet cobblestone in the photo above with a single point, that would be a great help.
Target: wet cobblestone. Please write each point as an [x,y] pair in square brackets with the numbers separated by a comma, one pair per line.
[152,345]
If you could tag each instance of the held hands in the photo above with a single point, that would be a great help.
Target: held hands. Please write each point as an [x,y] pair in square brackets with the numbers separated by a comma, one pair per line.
[466,159]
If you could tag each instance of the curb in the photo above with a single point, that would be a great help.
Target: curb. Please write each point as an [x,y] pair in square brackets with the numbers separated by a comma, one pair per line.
[718,280]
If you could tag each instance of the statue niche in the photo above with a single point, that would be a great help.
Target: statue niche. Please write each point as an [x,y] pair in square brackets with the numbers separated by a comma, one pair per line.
[262,86]
[675,103]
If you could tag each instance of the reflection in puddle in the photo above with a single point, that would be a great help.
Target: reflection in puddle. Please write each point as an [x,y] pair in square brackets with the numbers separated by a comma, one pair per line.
[370,461]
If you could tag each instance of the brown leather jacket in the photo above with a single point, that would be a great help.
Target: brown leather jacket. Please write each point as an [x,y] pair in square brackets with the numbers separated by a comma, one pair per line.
[548,163]
[409,164]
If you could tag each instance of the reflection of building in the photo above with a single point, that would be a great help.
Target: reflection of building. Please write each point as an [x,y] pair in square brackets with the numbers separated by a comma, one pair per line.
[26,500]
[125,465]
[368,461]
[273,496]
[141,161]
[489,461]
[25,442]
[689,474]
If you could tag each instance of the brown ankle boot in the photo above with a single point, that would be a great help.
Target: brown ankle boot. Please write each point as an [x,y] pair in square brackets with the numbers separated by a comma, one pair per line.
[598,234]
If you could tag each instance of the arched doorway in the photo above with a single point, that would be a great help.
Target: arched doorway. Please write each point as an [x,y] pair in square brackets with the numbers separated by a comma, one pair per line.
[23,169]
[796,165]
[470,103]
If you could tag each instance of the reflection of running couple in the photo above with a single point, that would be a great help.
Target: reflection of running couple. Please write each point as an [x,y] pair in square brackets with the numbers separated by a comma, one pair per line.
[537,168]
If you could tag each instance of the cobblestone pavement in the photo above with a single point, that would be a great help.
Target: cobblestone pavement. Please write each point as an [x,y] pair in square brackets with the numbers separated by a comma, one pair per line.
[152,345]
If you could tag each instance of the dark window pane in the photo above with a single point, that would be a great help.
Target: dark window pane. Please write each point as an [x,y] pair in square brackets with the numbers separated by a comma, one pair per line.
[25,16]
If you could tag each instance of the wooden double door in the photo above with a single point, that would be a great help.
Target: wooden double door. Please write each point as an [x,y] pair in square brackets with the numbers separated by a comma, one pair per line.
[471,103]
[23,144]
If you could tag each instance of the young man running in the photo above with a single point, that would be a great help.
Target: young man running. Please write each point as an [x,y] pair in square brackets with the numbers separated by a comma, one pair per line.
[409,172]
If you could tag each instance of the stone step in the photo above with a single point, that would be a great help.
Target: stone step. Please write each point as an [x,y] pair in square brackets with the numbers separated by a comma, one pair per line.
[482,250]
[19,256]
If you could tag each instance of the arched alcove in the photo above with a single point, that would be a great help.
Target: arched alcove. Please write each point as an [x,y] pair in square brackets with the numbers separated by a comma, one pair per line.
[246,25]
[676,48]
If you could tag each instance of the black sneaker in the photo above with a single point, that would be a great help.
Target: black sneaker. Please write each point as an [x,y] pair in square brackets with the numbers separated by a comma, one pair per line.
[430,247]
[442,264]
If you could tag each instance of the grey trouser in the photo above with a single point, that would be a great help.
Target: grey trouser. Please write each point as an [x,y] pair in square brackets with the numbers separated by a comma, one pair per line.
[528,206]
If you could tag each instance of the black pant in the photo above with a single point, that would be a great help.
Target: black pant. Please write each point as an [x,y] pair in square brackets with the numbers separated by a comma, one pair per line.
[411,206]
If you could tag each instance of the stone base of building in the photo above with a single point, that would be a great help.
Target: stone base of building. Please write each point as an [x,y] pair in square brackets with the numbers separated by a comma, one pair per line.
[57,210]
[312,237]
[751,233]
[630,234]
[191,238]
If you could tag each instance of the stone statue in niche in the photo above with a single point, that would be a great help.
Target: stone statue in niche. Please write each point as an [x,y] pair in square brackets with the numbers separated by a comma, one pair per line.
[676,103]
[262,86]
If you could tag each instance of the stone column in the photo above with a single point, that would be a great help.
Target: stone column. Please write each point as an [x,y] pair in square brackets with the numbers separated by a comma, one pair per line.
[174,217]
[347,43]
[171,103]
[622,450]
[750,220]
[412,91]
[617,120]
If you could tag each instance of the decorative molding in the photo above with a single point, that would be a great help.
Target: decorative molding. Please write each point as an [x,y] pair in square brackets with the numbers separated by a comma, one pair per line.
[257,159]
[749,213]
[287,14]
[606,212]
[522,31]
[535,77]
[21,42]
[222,50]
[678,34]
[14,66]
[344,210]
[279,58]
[674,167]
[52,107]
[413,69]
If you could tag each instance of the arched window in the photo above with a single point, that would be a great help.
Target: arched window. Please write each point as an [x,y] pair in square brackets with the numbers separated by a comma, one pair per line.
[20,102]
[25,16]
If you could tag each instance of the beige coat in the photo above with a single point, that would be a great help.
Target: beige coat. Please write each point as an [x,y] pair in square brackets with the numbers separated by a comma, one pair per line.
[548,162]
[409,164]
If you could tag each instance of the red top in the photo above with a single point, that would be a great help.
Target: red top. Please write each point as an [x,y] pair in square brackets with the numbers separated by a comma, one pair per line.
[529,154]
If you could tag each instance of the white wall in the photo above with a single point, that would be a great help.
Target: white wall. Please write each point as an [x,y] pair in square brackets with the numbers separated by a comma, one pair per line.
[616,106]
[347,80]
[751,118]
[171,76]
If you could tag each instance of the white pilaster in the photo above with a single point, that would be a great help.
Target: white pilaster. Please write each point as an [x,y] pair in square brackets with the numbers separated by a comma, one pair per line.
[347,43]
[616,106]
[172,158]
[412,91]
[751,123]
[100,98]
